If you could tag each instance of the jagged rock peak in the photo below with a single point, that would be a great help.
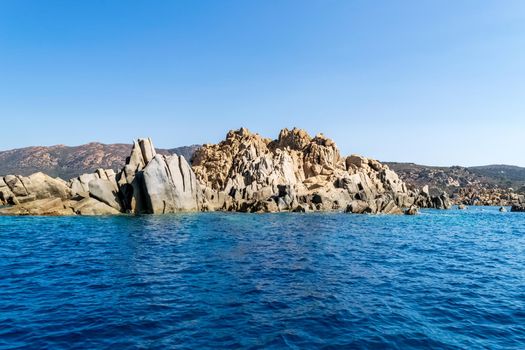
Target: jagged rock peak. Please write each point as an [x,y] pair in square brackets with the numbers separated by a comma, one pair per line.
[153,183]
[294,172]
[296,139]
[142,153]
[213,164]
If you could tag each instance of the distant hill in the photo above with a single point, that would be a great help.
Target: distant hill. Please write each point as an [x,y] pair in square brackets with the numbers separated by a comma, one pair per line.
[450,179]
[504,175]
[68,162]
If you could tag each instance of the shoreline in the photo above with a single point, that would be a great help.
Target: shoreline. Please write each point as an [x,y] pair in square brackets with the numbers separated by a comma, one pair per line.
[333,212]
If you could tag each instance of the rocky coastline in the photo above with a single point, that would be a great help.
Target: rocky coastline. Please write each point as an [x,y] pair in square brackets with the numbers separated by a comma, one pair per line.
[493,185]
[245,173]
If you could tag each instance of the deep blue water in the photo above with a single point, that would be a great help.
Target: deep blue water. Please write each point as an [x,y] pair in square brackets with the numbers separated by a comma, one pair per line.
[444,279]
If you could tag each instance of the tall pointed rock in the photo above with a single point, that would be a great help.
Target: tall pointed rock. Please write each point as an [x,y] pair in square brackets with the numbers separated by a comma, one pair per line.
[156,184]
[130,178]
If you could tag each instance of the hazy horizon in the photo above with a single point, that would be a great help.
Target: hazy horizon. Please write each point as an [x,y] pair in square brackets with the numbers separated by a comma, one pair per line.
[436,82]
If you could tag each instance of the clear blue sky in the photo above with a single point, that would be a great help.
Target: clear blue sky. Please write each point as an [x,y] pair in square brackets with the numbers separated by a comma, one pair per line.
[434,82]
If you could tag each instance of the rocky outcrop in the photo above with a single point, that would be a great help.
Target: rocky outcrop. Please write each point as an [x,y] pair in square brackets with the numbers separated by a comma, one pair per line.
[130,179]
[486,196]
[171,186]
[91,206]
[148,183]
[43,186]
[424,199]
[295,172]
[20,189]
[47,206]
[105,191]
[413,210]
[70,162]
[151,183]
[7,197]
[494,185]
[39,194]
[380,205]
[245,172]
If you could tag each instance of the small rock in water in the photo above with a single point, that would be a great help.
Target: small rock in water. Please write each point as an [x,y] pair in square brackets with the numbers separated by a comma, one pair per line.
[503,210]
[413,210]
[462,207]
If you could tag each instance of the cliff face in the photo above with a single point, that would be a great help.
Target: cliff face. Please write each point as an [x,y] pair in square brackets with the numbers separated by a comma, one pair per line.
[247,172]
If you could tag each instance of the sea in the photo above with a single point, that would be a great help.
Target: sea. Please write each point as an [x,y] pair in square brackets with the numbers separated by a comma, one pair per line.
[449,279]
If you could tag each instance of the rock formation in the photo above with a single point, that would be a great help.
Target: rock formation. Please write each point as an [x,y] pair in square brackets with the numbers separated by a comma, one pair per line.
[245,172]
[486,196]
[171,186]
[69,162]
[148,183]
[494,185]
[157,184]
[413,210]
[424,199]
[295,172]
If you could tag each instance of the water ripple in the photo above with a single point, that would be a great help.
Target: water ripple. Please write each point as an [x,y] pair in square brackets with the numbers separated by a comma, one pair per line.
[442,280]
